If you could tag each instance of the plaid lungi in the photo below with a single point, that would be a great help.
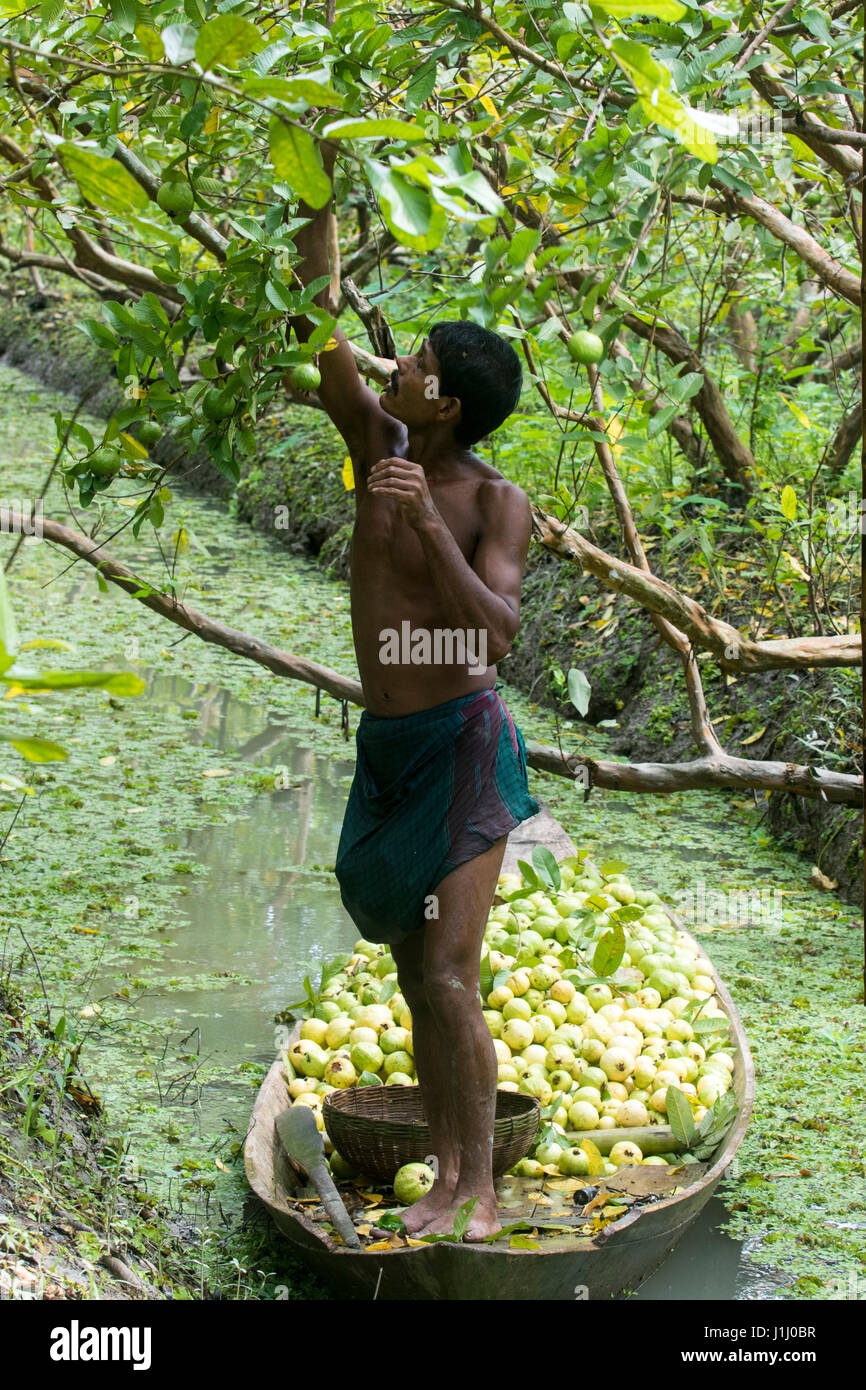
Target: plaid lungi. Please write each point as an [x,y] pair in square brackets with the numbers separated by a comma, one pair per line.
[431,790]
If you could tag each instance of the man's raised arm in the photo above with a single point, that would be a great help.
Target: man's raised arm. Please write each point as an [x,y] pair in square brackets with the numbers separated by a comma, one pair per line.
[348,400]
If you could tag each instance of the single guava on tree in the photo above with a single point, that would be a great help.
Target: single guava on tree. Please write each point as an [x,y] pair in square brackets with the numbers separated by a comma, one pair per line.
[412,1181]
[218,404]
[305,377]
[585,347]
[176,198]
[149,432]
[105,462]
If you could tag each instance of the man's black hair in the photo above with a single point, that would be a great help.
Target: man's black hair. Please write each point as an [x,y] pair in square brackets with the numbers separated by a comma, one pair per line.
[482,370]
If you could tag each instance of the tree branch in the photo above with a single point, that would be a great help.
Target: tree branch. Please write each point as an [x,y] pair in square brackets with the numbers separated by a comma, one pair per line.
[719,771]
[828,270]
[732,650]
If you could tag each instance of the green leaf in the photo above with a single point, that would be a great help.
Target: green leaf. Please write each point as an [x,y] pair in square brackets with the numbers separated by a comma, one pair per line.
[296,159]
[680,1117]
[303,88]
[613,866]
[8,627]
[115,682]
[530,876]
[463,1216]
[372,128]
[102,181]
[36,750]
[523,1243]
[546,866]
[624,9]
[151,42]
[332,968]
[409,212]
[391,1221]
[485,977]
[389,989]
[579,690]
[610,950]
[523,243]
[178,41]
[711,1025]
[225,40]
[98,332]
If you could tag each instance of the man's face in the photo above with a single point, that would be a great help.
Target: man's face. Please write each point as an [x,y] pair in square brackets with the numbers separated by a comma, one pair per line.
[413,392]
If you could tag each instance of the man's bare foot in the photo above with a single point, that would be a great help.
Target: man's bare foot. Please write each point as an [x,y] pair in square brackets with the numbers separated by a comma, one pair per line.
[484,1222]
[428,1208]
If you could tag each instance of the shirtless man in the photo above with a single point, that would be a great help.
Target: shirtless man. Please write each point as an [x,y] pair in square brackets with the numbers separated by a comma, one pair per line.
[439,544]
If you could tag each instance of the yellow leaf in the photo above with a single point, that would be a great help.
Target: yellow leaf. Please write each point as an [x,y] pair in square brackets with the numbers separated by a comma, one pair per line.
[797,412]
[379,1245]
[744,742]
[348,475]
[489,107]
[596,1162]
[211,125]
[222,1167]
[88,931]
[788,502]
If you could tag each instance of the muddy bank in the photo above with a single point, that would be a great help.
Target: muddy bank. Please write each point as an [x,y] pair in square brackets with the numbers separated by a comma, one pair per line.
[74,1222]
[293,490]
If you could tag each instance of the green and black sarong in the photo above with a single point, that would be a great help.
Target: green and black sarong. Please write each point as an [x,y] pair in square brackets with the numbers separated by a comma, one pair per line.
[431,790]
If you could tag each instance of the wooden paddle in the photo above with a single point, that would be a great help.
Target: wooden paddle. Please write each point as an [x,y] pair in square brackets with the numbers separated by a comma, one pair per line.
[303,1143]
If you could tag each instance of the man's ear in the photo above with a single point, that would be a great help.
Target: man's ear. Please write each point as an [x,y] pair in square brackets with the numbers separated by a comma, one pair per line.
[449,409]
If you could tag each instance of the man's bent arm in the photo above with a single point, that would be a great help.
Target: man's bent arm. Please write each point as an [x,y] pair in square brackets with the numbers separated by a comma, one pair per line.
[486,594]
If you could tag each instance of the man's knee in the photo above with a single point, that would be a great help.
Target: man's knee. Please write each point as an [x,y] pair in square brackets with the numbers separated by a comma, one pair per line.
[451,988]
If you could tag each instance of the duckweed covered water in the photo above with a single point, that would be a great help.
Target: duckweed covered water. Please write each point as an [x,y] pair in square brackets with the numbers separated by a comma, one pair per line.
[174,879]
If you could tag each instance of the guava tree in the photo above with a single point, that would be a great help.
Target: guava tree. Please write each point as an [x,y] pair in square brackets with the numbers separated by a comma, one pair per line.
[674,178]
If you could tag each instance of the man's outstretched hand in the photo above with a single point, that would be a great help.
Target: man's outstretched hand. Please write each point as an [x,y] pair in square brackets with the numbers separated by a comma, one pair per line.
[404,481]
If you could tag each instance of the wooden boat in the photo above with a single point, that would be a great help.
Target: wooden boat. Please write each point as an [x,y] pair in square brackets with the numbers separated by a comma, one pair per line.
[565,1266]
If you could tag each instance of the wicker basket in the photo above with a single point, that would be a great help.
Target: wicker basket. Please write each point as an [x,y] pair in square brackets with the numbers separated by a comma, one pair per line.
[379,1128]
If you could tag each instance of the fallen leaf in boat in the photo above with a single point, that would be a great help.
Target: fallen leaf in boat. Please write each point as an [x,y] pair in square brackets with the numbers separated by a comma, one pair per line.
[567,1185]
[541,1201]
[411,1241]
[378,1245]
[523,1243]
[372,1199]
[364,1228]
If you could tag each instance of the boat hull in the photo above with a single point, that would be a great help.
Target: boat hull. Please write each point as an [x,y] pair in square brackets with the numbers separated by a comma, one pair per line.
[571,1267]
